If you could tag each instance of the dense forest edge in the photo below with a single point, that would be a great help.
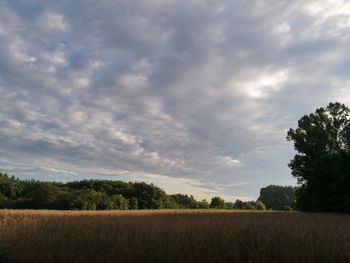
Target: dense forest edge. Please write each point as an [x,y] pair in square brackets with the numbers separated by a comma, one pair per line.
[119,195]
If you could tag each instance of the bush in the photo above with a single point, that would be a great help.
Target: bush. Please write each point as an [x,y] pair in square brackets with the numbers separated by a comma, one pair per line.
[260,205]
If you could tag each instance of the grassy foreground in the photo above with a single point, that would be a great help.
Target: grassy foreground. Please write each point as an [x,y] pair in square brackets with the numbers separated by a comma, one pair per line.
[173,236]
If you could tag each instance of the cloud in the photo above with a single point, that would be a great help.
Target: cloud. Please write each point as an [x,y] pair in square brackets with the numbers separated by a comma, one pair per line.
[202,92]
[52,21]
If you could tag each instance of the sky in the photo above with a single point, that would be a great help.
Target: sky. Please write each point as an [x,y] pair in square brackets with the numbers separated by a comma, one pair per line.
[194,96]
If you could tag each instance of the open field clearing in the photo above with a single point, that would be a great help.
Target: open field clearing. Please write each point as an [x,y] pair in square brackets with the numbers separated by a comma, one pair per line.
[173,236]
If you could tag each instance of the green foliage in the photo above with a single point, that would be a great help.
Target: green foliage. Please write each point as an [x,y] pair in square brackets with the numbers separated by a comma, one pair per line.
[217,202]
[9,186]
[81,195]
[169,203]
[119,202]
[260,205]
[43,195]
[133,203]
[250,205]
[322,164]
[203,204]
[238,204]
[277,196]
[185,201]
[3,201]
[229,205]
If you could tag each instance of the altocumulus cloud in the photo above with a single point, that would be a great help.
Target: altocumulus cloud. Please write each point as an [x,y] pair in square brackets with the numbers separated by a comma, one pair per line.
[194,96]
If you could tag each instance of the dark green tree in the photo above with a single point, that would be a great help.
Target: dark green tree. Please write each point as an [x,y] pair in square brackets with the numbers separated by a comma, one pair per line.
[119,202]
[169,203]
[44,195]
[10,187]
[133,203]
[322,164]
[249,205]
[277,197]
[185,201]
[217,202]
[230,205]
[238,204]
[203,204]
[3,201]
[150,196]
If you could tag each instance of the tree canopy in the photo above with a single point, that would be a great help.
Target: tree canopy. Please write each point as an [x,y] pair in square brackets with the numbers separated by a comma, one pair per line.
[277,197]
[217,202]
[322,164]
[81,195]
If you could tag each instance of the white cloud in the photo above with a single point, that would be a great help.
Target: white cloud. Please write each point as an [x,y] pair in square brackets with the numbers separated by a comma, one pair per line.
[54,21]
[56,58]
[81,82]
[228,160]
[132,82]
[58,171]
[328,8]
[262,84]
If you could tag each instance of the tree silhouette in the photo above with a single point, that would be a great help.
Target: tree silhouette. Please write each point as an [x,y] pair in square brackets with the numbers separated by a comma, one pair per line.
[322,164]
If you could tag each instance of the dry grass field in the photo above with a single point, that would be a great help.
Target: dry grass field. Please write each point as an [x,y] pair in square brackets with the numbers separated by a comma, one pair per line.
[173,236]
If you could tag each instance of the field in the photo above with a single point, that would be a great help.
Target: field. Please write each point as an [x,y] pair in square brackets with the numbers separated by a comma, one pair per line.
[173,236]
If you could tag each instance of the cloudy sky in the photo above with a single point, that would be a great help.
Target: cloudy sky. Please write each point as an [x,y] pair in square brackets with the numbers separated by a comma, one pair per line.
[195,96]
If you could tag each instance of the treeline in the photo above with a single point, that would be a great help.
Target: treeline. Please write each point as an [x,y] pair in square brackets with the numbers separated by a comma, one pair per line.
[108,195]
[188,202]
[80,195]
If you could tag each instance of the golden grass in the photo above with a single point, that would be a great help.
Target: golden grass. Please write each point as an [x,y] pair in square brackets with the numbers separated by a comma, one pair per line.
[126,212]
[172,236]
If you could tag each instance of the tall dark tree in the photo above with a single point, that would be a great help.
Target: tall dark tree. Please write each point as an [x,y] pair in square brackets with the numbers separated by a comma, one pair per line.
[322,164]
[277,197]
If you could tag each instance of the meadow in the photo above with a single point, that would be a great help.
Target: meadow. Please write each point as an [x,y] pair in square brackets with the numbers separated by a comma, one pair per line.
[173,236]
